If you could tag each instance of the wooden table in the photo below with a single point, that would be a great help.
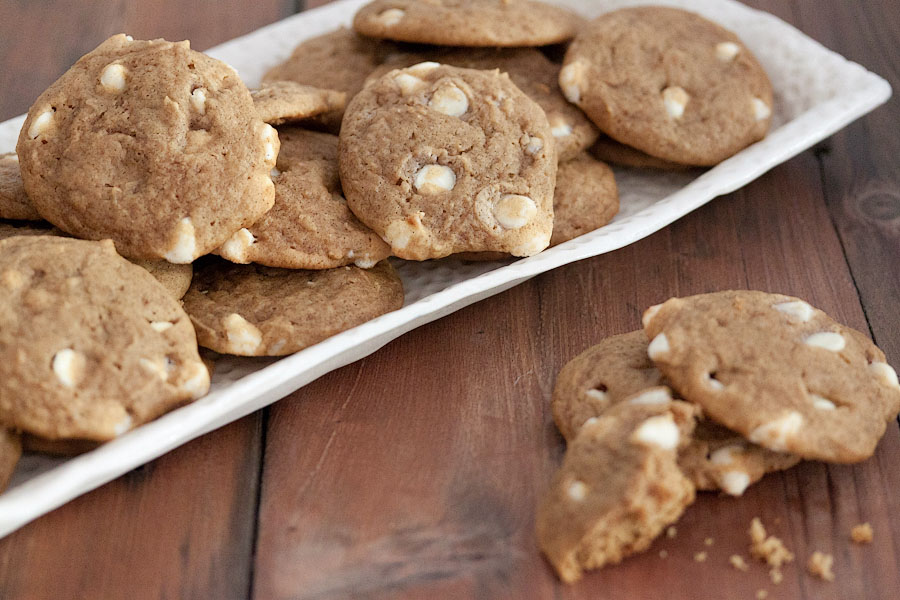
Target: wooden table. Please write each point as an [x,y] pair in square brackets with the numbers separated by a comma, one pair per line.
[414,473]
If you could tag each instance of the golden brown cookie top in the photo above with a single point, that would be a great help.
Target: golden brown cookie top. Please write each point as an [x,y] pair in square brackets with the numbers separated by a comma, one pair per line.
[491,23]
[776,370]
[439,160]
[14,202]
[90,344]
[280,102]
[669,83]
[152,145]
[251,310]
[310,226]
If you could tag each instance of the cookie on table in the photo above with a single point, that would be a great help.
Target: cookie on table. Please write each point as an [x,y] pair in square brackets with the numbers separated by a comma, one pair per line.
[310,226]
[615,153]
[251,310]
[532,72]
[10,452]
[152,145]
[439,160]
[90,344]
[487,23]
[669,83]
[776,370]
[618,488]
[618,367]
[280,102]
[586,198]
[8,229]
[14,202]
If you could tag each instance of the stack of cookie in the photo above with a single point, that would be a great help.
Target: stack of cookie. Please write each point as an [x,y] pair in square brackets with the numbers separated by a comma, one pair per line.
[729,387]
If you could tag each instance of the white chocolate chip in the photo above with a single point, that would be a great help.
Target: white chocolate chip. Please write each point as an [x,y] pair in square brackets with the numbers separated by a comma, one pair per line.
[829,340]
[40,124]
[182,252]
[822,403]
[243,336]
[434,179]
[885,373]
[589,421]
[278,346]
[198,100]
[154,366]
[68,365]
[658,347]
[571,78]
[798,309]
[197,382]
[409,84]
[532,245]
[559,127]
[675,99]
[123,425]
[761,110]
[423,68]
[577,490]
[513,211]
[734,483]
[160,326]
[595,394]
[534,145]
[648,315]
[365,262]
[449,100]
[653,396]
[658,431]
[235,249]
[714,383]
[13,157]
[113,78]
[398,234]
[726,51]
[270,136]
[725,454]
[390,17]
[776,434]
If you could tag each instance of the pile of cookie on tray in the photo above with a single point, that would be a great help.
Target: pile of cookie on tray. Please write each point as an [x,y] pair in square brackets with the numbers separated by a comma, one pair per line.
[156,206]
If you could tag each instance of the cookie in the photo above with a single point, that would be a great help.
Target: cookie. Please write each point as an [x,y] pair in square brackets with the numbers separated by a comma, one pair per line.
[618,367]
[776,370]
[615,153]
[8,230]
[310,226]
[10,452]
[487,23]
[152,145]
[90,344]
[439,160]
[619,486]
[175,278]
[279,102]
[532,72]
[586,198]
[14,202]
[73,447]
[669,83]
[261,311]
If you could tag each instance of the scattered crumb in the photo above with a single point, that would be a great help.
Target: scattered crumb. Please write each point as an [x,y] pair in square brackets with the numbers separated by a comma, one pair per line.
[737,561]
[671,532]
[776,576]
[700,557]
[709,541]
[767,548]
[861,534]
[819,564]
[663,554]
[761,594]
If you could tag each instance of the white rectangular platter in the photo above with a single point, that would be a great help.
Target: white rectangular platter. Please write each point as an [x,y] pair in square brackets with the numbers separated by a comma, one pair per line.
[817,92]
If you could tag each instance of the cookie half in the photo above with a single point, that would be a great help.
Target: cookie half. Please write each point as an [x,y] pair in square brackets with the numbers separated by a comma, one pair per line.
[261,311]
[439,160]
[669,83]
[490,23]
[152,145]
[310,226]
[14,202]
[90,344]
[776,370]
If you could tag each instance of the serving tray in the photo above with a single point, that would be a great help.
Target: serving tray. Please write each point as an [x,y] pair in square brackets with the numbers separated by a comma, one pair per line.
[817,92]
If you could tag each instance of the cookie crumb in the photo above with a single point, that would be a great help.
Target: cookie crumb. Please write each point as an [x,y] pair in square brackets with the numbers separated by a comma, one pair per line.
[776,576]
[820,564]
[761,594]
[767,548]
[709,541]
[663,554]
[700,557]
[737,561]
[671,532]
[862,533]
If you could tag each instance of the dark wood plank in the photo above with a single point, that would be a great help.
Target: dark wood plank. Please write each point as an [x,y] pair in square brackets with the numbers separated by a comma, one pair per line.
[182,526]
